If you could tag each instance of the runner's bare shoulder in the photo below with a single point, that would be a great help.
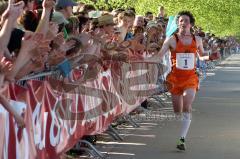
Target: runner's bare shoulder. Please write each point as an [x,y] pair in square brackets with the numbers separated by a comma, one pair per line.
[172,43]
[168,45]
[199,44]
[198,41]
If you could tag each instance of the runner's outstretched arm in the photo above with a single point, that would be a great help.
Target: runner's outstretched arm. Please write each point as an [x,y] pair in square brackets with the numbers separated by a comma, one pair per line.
[165,49]
[202,57]
[201,51]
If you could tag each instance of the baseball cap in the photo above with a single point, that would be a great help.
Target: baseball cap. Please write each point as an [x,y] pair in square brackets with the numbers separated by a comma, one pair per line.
[106,19]
[59,18]
[94,14]
[151,24]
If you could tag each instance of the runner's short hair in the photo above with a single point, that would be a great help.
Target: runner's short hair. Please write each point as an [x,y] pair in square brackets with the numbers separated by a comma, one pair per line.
[189,14]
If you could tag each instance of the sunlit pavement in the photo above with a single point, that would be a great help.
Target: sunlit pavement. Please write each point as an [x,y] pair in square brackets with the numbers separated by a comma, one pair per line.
[215,129]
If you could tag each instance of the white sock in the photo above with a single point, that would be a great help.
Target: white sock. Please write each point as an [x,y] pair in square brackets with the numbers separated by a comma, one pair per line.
[186,121]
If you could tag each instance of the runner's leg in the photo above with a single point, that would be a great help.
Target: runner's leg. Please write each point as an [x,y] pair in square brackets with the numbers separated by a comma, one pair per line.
[177,101]
[188,98]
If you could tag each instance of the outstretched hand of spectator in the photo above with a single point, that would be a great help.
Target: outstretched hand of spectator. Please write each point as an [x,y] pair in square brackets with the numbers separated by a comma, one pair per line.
[20,120]
[13,11]
[5,103]
[59,39]
[52,31]
[67,45]
[40,53]
[29,43]
[56,57]
[48,4]
[43,47]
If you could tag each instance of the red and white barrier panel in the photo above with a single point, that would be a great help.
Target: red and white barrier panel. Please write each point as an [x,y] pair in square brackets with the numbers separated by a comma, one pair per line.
[57,117]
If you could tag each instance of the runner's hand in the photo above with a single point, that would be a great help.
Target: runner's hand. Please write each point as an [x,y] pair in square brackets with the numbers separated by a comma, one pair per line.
[214,56]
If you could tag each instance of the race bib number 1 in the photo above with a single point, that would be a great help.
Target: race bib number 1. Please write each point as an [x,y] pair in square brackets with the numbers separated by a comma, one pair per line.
[185,61]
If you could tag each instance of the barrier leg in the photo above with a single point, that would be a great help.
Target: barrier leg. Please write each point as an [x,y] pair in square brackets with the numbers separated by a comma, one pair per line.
[114,131]
[131,121]
[161,101]
[111,134]
[90,149]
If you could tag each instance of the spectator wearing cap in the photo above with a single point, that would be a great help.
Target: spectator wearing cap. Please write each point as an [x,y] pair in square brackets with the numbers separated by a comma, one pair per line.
[116,36]
[152,27]
[152,34]
[106,24]
[61,21]
[59,18]
[65,7]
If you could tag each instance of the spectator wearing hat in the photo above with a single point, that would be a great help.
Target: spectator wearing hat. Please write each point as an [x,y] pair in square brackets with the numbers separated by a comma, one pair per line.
[152,27]
[116,36]
[65,7]
[59,18]
[106,24]
[152,37]
[61,21]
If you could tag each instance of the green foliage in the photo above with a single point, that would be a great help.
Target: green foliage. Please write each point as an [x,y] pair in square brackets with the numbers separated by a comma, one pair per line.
[221,17]
[109,4]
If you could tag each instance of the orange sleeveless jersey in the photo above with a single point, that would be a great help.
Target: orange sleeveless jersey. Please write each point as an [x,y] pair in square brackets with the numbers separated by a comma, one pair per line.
[180,79]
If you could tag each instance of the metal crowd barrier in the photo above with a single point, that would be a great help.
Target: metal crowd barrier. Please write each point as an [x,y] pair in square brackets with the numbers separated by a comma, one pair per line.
[163,98]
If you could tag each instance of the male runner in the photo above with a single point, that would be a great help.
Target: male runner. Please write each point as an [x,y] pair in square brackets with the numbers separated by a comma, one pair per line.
[184,48]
